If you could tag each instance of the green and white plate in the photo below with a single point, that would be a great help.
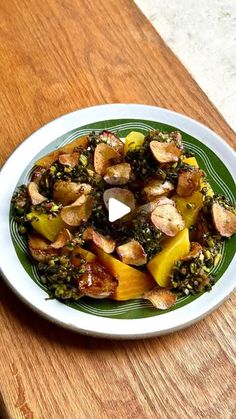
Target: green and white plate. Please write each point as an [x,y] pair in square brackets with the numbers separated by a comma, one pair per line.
[108,318]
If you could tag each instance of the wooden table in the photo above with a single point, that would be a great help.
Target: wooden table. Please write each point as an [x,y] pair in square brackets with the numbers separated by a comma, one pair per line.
[57,56]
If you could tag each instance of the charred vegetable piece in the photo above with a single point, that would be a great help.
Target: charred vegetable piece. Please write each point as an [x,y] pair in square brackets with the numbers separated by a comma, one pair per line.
[35,197]
[70,160]
[133,141]
[162,299]
[167,219]
[97,282]
[155,188]
[132,283]
[37,174]
[40,248]
[173,249]
[204,184]
[103,242]
[62,239]
[165,152]
[224,220]
[104,157]
[166,137]
[189,182]
[112,140]
[118,174]
[66,192]
[77,145]
[132,253]
[78,212]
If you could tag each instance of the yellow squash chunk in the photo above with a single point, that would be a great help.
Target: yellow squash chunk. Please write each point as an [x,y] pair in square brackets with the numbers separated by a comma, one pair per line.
[161,265]
[132,282]
[134,139]
[80,253]
[191,161]
[190,212]
[47,160]
[47,227]
[203,183]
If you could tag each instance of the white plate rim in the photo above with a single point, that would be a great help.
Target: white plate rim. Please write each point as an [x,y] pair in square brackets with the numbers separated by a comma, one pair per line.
[63,315]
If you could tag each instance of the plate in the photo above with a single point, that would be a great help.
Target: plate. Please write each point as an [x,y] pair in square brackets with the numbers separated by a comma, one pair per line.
[107,318]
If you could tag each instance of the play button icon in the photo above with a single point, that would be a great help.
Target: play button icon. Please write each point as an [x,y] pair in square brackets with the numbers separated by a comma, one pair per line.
[117,209]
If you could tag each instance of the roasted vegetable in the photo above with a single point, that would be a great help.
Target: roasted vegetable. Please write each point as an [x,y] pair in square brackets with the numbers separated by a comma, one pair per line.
[78,212]
[118,174]
[107,244]
[173,249]
[167,219]
[70,160]
[165,152]
[40,248]
[104,157]
[131,282]
[96,281]
[155,188]
[35,197]
[80,255]
[77,145]
[132,253]
[189,207]
[47,225]
[133,141]
[111,139]
[66,192]
[189,182]
[161,298]
[224,220]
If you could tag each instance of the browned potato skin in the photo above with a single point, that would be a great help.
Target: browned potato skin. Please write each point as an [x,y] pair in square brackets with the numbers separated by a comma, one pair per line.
[132,253]
[161,298]
[75,146]
[189,182]
[70,160]
[97,282]
[78,212]
[67,192]
[40,248]
[155,188]
[113,141]
[165,152]
[35,197]
[224,220]
[104,157]
[107,244]
[37,174]
[167,219]
[119,174]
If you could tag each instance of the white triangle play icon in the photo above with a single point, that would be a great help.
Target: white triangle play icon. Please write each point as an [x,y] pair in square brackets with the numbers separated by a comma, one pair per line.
[117,209]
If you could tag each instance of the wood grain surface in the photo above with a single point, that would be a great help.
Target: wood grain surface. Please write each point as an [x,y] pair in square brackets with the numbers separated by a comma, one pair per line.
[57,56]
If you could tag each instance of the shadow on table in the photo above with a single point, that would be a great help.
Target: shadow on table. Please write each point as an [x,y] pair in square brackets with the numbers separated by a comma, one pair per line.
[3,409]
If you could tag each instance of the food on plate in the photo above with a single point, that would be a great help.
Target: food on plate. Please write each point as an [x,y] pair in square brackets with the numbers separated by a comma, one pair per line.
[163,249]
